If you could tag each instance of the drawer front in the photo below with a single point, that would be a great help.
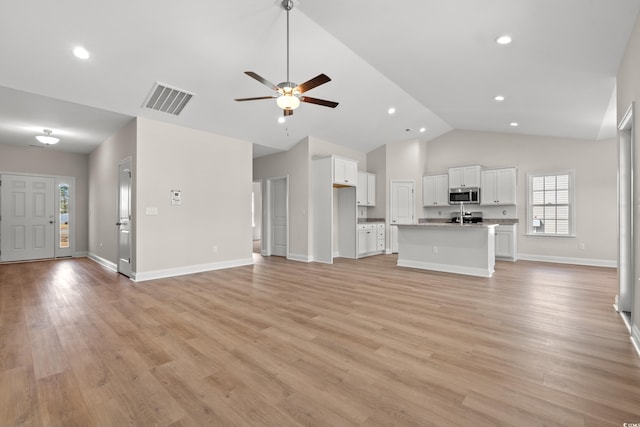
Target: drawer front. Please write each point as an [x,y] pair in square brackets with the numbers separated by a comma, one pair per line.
[366,226]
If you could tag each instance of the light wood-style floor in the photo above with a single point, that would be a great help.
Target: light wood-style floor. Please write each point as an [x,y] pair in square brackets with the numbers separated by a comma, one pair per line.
[283,343]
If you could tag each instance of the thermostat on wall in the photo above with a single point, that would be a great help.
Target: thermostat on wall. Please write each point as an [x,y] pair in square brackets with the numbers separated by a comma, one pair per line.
[175,197]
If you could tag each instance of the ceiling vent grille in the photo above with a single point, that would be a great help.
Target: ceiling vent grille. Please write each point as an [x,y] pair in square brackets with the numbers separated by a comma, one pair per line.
[167,99]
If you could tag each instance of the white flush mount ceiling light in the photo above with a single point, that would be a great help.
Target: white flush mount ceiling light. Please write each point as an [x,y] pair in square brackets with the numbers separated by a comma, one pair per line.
[47,139]
[423,130]
[504,40]
[81,53]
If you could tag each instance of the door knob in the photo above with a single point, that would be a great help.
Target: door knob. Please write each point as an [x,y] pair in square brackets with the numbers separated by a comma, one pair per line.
[118,224]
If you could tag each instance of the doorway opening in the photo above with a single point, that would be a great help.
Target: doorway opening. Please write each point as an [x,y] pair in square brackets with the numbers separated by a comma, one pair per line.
[627,252]
[275,233]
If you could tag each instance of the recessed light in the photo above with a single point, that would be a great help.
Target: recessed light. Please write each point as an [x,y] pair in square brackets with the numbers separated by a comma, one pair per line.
[281,119]
[422,130]
[513,124]
[503,40]
[498,98]
[391,110]
[81,52]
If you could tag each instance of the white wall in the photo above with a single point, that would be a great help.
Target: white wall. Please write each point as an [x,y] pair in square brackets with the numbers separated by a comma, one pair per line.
[628,86]
[212,227]
[257,210]
[595,166]
[103,194]
[46,161]
[377,163]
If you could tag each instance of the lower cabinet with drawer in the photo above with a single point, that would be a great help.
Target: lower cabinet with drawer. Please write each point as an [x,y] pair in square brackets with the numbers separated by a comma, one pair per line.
[506,242]
[371,239]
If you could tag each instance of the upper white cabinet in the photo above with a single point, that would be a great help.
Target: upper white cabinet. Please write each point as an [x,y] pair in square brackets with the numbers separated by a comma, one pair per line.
[464,176]
[498,187]
[345,171]
[366,190]
[435,190]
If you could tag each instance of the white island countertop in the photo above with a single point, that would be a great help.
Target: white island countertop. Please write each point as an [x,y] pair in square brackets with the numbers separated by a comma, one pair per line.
[449,247]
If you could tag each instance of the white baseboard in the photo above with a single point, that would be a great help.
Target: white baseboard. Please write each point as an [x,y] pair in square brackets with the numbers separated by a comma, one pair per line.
[569,260]
[190,269]
[298,257]
[458,269]
[104,262]
[635,338]
[81,254]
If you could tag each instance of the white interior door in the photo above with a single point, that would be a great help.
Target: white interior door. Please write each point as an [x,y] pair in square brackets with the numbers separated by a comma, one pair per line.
[124,218]
[402,208]
[279,220]
[27,218]
[402,202]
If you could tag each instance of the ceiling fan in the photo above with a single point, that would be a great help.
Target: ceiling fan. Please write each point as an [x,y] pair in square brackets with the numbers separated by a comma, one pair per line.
[289,93]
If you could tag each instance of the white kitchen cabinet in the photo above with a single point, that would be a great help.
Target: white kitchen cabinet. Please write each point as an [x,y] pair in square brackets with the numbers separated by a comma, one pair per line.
[345,171]
[464,176]
[506,242]
[435,190]
[371,239]
[367,238]
[366,190]
[498,186]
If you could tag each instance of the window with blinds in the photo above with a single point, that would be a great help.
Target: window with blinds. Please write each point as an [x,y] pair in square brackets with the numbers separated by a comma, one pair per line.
[550,207]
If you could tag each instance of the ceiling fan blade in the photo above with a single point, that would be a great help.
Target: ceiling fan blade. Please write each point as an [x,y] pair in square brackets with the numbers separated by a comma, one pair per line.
[318,80]
[262,80]
[255,98]
[317,101]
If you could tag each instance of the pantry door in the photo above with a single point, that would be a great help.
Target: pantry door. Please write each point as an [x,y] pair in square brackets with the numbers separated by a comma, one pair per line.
[27,226]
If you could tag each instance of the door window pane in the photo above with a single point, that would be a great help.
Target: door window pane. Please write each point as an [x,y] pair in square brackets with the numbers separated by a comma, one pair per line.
[63,219]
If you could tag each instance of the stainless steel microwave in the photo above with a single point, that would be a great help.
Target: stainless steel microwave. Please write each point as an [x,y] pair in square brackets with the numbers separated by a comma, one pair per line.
[464,195]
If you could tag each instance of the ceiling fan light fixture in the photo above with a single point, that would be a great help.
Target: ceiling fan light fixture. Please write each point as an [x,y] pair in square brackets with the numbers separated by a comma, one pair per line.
[47,139]
[288,101]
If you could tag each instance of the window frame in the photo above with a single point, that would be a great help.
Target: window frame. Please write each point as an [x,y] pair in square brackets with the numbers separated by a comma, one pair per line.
[571,202]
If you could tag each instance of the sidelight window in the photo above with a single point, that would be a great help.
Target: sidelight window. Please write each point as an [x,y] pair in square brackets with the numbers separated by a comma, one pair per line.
[550,207]
[63,215]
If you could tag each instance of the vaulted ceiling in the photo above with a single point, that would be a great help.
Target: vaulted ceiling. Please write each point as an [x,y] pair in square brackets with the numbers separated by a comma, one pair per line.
[436,62]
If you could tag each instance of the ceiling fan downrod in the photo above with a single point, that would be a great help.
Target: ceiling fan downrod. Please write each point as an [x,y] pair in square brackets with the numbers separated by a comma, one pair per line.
[287,5]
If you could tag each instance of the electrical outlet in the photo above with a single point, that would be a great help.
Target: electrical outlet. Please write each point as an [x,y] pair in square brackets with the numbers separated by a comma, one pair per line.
[435,249]
[214,248]
[581,245]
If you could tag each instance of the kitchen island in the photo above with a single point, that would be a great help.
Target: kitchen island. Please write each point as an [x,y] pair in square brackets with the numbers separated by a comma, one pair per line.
[452,248]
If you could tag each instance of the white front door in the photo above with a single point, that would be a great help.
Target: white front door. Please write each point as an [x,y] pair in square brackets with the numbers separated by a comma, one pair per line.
[27,218]
[124,218]
[279,218]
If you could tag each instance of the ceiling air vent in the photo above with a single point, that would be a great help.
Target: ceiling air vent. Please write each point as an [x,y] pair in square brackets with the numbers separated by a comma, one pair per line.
[167,99]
